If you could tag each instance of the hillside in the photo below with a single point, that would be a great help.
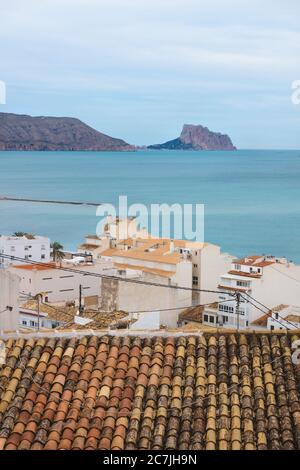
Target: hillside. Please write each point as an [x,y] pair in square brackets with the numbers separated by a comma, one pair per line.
[22,132]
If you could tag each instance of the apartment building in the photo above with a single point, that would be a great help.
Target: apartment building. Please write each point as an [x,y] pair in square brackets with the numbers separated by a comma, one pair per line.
[269,280]
[114,229]
[30,319]
[29,247]
[59,286]
[173,263]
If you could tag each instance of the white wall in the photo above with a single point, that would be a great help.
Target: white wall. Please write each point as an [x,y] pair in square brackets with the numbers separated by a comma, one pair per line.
[212,264]
[37,249]
[9,295]
[59,285]
[135,297]
[277,285]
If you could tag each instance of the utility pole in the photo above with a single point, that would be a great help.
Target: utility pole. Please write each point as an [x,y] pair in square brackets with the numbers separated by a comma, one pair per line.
[81,307]
[237,309]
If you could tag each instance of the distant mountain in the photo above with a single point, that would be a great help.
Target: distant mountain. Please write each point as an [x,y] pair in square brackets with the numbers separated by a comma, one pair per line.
[194,137]
[21,132]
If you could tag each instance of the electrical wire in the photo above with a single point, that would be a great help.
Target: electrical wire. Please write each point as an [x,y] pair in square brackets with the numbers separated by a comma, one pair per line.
[117,278]
[285,274]
[270,310]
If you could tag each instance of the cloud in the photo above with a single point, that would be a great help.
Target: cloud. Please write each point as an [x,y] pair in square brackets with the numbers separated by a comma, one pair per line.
[206,58]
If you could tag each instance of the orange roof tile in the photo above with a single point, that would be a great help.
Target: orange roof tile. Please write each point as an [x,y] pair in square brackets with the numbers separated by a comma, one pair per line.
[35,267]
[139,254]
[158,272]
[242,273]
[238,289]
[153,393]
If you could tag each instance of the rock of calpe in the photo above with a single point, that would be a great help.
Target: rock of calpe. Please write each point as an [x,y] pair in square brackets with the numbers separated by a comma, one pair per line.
[197,137]
[22,132]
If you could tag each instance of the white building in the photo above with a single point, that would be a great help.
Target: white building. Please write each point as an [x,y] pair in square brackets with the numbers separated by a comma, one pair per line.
[114,230]
[59,286]
[261,282]
[29,247]
[281,317]
[177,263]
[30,319]
[9,297]
[284,317]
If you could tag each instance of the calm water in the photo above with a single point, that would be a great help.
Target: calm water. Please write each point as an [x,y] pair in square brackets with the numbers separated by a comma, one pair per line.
[252,198]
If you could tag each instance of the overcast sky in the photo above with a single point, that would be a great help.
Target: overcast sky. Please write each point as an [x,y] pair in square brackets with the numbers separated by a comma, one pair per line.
[140,69]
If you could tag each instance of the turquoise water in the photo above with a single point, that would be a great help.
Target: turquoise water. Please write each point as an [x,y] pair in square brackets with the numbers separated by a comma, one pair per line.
[251,197]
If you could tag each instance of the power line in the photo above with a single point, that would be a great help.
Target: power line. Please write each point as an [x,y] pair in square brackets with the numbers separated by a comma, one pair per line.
[130,312]
[270,310]
[118,278]
[269,313]
[285,274]
[136,281]
[177,308]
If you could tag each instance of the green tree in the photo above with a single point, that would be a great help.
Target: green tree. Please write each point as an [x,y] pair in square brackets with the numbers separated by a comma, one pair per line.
[57,251]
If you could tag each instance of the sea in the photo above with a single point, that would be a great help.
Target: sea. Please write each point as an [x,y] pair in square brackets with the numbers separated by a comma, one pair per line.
[251,197]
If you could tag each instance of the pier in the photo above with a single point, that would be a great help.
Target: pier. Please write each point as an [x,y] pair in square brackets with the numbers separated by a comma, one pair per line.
[49,201]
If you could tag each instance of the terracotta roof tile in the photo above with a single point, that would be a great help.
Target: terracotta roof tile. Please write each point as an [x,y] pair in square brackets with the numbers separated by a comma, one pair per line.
[211,392]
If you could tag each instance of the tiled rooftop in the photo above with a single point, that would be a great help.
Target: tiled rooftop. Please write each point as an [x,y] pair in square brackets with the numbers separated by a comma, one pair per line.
[209,392]
[257,261]
[153,249]
[192,314]
[158,272]
[65,315]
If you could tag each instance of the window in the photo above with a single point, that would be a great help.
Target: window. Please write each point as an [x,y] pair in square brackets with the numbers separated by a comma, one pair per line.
[65,277]
[66,290]
[226,308]
[12,248]
[195,265]
[42,256]
[46,278]
[195,280]
[205,317]
[24,322]
[31,323]
[272,327]
[211,319]
[237,267]
[242,283]
[225,319]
